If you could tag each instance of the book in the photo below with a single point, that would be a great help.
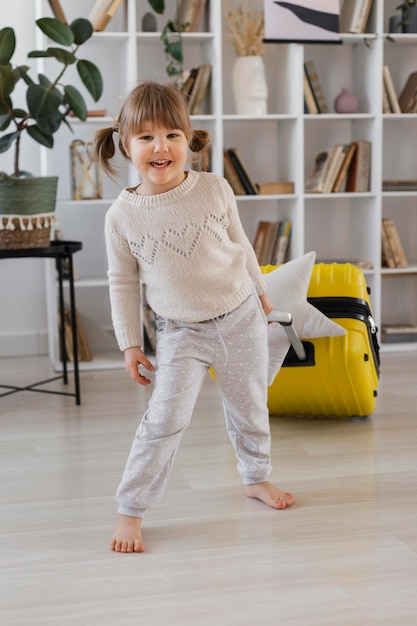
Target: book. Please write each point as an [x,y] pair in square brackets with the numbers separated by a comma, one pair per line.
[198,16]
[386,106]
[275,188]
[269,244]
[280,252]
[247,182]
[110,12]
[199,90]
[260,238]
[354,16]
[231,175]
[186,13]
[309,98]
[358,176]
[341,176]
[313,78]
[398,333]
[322,161]
[334,167]
[98,11]
[58,10]
[408,97]
[394,242]
[389,86]
[387,255]
[399,185]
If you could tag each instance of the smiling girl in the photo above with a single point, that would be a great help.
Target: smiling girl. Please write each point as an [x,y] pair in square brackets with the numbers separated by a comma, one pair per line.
[179,233]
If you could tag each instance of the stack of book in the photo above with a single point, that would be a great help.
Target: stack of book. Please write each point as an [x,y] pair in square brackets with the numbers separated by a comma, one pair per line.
[398,333]
[194,84]
[343,167]
[354,16]
[242,183]
[406,102]
[393,254]
[272,241]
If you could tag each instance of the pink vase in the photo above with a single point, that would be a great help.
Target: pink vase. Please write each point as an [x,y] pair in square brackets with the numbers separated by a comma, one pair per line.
[346,102]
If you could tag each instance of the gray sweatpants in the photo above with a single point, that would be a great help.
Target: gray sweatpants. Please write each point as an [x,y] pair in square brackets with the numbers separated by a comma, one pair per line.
[235,344]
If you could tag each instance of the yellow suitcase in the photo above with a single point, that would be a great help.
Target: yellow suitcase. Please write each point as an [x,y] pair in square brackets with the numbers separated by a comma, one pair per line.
[340,375]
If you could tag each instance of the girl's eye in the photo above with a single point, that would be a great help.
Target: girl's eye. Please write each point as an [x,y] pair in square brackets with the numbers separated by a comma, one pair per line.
[145,137]
[173,135]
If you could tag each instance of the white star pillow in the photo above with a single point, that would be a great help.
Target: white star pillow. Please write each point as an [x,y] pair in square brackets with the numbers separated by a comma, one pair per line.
[287,288]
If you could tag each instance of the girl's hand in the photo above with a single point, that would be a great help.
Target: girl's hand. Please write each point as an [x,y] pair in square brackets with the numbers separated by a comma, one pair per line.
[133,358]
[266,303]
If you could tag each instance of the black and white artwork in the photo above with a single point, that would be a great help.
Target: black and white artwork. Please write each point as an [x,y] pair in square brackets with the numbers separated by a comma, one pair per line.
[306,21]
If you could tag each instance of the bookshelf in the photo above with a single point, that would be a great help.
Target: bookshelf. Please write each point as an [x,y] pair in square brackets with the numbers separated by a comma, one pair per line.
[278,146]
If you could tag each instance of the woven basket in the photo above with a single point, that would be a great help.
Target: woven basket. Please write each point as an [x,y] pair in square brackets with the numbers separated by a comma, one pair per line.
[19,231]
[27,208]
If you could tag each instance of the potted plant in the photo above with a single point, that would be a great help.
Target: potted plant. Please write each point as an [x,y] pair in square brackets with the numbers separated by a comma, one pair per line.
[49,103]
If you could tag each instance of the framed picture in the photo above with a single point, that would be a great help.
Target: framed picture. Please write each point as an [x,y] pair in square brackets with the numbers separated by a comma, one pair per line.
[306,21]
[86,172]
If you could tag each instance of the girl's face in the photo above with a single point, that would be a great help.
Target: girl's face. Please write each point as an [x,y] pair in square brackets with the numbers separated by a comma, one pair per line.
[159,155]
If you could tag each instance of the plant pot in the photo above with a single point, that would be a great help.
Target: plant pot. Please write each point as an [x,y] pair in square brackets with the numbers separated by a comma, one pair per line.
[410,18]
[27,208]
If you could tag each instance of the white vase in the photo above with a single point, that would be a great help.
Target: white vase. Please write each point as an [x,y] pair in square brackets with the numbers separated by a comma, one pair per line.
[250,89]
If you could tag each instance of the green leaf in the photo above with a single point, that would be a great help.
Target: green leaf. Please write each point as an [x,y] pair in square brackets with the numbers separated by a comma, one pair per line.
[7,140]
[174,49]
[42,103]
[76,102]
[91,77]
[158,6]
[52,124]
[56,30]
[7,44]
[60,54]
[7,81]
[5,121]
[38,135]
[82,29]
[19,113]
[22,72]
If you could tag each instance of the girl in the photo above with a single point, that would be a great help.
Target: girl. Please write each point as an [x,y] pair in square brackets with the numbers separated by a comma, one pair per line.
[179,233]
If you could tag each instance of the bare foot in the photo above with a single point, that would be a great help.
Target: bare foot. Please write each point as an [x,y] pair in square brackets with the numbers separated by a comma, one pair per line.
[270,495]
[127,536]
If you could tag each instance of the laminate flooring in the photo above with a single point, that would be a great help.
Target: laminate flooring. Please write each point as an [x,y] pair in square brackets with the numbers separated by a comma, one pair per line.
[345,554]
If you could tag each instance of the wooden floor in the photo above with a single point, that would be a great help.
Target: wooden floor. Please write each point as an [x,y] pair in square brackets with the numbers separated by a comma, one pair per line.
[345,554]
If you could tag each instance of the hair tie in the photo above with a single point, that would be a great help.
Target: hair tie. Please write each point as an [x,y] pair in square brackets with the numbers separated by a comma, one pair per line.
[115,127]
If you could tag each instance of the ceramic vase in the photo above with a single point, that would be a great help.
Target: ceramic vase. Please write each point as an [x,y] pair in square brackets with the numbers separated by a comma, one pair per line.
[346,102]
[250,89]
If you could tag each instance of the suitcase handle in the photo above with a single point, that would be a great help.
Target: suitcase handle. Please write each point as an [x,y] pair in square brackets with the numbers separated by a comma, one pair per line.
[285,319]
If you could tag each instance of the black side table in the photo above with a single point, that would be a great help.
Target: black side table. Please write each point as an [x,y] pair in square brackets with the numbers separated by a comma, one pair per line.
[62,252]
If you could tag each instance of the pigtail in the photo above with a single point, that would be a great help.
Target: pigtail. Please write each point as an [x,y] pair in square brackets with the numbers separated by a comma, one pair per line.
[104,148]
[200,142]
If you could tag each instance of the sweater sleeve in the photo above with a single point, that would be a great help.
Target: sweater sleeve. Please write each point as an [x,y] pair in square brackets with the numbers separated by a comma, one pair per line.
[124,287]
[237,234]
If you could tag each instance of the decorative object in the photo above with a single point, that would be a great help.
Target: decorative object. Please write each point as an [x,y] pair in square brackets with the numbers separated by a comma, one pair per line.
[346,102]
[49,103]
[245,30]
[295,21]
[149,23]
[395,24]
[250,89]
[86,172]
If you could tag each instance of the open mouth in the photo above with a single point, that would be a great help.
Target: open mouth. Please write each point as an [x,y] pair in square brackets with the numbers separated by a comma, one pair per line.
[160,164]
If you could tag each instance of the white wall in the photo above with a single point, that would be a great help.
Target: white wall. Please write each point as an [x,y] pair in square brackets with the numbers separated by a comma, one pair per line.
[22,296]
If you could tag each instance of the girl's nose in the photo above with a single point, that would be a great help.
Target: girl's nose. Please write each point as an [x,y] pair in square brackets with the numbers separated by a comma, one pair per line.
[161,144]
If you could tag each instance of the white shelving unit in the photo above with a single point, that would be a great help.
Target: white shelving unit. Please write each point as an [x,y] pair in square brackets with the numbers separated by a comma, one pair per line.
[277,146]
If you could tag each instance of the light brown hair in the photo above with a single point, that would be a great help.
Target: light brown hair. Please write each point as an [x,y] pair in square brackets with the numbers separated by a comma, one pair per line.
[161,104]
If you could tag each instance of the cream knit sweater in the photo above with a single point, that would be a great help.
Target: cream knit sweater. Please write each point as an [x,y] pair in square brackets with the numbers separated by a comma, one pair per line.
[187,246]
